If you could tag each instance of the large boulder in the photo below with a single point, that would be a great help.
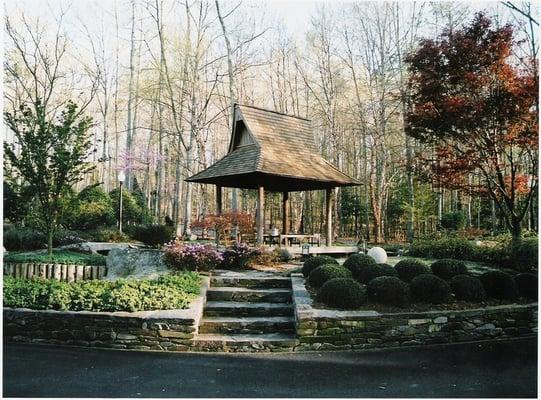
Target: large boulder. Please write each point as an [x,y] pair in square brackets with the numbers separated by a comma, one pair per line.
[135,264]
[97,247]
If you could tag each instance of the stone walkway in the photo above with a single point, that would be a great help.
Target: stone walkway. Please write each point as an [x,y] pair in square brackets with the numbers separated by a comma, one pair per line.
[248,311]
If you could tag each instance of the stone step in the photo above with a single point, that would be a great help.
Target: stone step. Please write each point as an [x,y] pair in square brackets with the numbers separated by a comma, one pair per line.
[246,309]
[249,295]
[244,343]
[247,325]
[263,282]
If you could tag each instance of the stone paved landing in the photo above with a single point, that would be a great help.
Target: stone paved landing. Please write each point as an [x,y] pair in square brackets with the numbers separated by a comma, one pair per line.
[247,311]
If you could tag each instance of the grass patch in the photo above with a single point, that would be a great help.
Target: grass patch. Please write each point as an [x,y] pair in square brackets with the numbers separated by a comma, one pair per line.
[167,292]
[58,257]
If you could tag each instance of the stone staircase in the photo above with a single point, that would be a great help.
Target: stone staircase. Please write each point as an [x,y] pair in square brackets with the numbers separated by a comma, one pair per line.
[247,312]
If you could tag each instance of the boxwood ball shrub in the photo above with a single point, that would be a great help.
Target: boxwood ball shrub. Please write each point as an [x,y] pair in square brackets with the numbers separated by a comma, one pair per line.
[429,288]
[467,288]
[499,285]
[447,268]
[387,270]
[388,290]
[362,267]
[409,268]
[344,293]
[326,272]
[312,263]
[527,285]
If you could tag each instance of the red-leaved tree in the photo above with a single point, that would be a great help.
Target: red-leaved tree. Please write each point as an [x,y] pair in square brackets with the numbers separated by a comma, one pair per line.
[478,105]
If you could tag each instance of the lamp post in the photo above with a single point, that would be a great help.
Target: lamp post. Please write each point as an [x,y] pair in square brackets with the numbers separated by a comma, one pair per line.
[121,179]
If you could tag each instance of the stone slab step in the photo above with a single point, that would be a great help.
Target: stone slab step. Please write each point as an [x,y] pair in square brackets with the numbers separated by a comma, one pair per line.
[249,295]
[247,325]
[255,282]
[244,343]
[246,309]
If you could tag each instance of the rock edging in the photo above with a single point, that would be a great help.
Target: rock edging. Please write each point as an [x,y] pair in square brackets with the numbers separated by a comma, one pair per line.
[319,329]
[169,330]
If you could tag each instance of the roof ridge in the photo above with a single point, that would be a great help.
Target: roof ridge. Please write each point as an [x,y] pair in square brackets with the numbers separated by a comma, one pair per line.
[273,111]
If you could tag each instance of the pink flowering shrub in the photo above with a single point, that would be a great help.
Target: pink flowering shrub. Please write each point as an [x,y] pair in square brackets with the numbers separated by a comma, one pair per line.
[239,256]
[191,257]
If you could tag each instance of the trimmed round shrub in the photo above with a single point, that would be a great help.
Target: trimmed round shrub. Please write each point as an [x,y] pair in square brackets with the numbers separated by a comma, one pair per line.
[526,285]
[313,262]
[154,235]
[362,267]
[468,288]
[447,268]
[389,290]
[342,293]
[387,270]
[409,268]
[325,273]
[429,288]
[499,285]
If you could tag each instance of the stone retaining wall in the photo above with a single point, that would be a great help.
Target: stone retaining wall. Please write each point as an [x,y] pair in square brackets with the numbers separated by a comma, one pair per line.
[59,272]
[170,330]
[320,329]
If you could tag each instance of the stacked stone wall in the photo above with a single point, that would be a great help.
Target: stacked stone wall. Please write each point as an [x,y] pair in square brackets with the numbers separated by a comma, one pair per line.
[321,329]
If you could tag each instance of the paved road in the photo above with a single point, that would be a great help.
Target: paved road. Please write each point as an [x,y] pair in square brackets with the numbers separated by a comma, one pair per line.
[504,369]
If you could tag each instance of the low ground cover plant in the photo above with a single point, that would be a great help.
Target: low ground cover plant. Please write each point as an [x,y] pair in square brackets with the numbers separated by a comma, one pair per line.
[58,257]
[167,292]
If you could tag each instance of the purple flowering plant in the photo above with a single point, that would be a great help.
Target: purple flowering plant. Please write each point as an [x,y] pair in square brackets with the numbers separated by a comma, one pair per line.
[239,256]
[191,257]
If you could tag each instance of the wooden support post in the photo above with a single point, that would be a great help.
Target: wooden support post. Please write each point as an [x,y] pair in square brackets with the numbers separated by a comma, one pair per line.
[260,214]
[328,209]
[285,213]
[218,199]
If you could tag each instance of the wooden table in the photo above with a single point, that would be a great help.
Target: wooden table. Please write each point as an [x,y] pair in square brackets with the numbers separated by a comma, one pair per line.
[288,240]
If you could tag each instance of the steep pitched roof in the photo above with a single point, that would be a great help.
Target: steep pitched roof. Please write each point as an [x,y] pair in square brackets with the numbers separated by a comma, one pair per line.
[280,155]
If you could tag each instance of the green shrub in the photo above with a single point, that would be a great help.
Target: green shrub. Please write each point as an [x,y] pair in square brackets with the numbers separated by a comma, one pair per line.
[526,257]
[447,247]
[324,273]
[409,268]
[499,285]
[447,268]
[93,208]
[131,211]
[166,292]
[62,237]
[527,285]
[429,288]
[342,293]
[387,270]
[312,263]
[58,257]
[362,267]
[23,239]
[111,235]
[154,235]
[452,220]
[468,288]
[388,290]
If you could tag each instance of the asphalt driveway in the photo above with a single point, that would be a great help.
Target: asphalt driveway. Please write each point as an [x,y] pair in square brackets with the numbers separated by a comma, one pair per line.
[497,369]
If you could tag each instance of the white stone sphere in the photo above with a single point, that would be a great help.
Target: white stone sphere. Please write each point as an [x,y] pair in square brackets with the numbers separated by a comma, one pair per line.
[378,254]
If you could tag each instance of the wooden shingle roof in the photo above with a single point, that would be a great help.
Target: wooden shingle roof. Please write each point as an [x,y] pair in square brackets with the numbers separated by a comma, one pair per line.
[273,150]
